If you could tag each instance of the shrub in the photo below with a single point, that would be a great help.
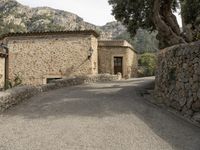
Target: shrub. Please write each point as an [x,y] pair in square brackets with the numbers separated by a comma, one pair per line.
[15,82]
[147,64]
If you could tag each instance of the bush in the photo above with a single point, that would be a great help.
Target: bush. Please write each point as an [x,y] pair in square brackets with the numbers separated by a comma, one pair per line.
[15,82]
[147,64]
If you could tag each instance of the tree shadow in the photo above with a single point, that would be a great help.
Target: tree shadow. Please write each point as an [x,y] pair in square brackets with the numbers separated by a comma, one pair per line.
[111,99]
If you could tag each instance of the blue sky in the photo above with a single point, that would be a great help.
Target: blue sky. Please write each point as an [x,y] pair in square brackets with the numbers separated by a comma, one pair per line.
[97,12]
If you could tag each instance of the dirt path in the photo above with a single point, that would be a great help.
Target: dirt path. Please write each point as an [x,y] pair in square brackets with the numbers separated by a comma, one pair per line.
[100,116]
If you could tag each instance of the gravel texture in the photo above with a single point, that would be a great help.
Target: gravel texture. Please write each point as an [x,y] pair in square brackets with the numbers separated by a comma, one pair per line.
[98,116]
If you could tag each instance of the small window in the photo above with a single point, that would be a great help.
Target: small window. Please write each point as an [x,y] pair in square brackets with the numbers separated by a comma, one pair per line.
[49,80]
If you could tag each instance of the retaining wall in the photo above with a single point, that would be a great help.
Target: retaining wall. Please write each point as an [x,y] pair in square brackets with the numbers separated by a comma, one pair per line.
[178,78]
[15,95]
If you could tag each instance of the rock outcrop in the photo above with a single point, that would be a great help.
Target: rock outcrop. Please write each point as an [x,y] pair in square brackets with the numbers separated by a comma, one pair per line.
[15,17]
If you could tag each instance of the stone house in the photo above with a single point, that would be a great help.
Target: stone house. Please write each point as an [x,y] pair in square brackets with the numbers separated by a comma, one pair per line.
[2,69]
[39,57]
[117,56]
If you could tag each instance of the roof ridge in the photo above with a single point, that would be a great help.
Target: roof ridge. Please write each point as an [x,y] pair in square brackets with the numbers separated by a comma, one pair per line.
[95,33]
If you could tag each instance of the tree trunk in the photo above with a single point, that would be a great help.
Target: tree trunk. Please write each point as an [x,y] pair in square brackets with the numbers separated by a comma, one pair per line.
[169,17]
[166,24]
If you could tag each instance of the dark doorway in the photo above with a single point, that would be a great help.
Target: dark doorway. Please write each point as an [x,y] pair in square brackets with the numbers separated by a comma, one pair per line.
[118,63]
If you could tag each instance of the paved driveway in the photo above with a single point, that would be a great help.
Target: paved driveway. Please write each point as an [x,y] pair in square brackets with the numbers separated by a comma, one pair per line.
[100,116]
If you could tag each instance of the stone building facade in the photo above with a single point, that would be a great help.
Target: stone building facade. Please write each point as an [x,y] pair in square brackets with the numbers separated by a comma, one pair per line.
[2,71]
[178,78]
[37,58]
[117,56]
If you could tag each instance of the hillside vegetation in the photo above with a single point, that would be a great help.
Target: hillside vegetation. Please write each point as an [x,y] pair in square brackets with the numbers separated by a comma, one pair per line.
[15,17]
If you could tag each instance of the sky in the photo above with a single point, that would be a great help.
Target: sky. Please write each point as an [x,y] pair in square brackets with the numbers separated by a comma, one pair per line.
[178,17]
[97,12]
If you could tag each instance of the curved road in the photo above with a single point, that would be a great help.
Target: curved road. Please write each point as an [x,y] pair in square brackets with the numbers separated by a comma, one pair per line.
[100,116]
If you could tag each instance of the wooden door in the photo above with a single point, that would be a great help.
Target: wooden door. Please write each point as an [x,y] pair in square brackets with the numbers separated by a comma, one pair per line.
[118,65]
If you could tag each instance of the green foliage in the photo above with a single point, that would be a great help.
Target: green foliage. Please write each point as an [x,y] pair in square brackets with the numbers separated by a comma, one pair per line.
[157,15]
[126,36]
[190,10]
[39,17]
[11,27]
[143,41]
[134,14]
[150,15]
[47,27]
[147,64]
[11,8]
[137,14]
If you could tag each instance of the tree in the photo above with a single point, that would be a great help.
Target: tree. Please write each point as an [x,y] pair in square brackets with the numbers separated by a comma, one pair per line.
[150,15]
[190,11]
[143,41]
[147,64]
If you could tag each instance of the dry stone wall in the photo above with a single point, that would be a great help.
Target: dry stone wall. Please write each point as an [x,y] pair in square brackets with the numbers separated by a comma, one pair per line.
[178,78]
[15,95]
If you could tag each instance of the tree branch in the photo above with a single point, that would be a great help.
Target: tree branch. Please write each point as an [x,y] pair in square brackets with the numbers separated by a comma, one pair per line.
[169,37]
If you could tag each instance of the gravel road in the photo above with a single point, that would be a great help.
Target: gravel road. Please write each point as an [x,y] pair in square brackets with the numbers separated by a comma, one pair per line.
[100,116]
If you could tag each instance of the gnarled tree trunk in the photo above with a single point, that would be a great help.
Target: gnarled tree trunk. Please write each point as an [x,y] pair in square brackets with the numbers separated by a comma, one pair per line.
[169,17]
[168,30]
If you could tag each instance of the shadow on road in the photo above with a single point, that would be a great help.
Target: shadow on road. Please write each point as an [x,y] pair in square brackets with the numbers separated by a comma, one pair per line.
[107,100]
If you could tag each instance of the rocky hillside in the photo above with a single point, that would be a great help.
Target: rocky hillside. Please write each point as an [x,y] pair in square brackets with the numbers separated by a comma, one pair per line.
[15,17]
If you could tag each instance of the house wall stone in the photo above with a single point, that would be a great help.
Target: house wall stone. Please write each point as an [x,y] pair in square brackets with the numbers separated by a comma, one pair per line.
[35,58]
[178,78]
[2,72]
[107,50]
[94,59]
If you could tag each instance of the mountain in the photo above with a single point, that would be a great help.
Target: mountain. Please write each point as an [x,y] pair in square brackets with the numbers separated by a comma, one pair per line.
[15,17]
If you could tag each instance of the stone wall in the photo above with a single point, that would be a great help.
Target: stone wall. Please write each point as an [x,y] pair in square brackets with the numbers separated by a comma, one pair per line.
[94,59]
[132,63]
[178,78]
[2,72]
[36,58]
[17,94]
[107,50]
